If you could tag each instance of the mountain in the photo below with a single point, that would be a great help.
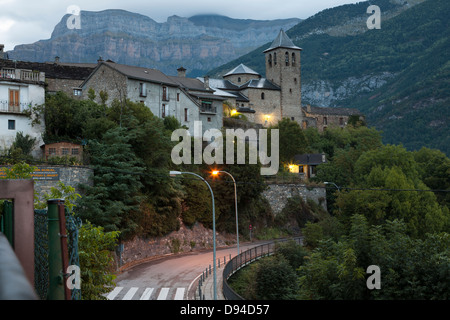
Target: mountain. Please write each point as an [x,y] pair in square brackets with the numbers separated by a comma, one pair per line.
[198,43]
[399,75]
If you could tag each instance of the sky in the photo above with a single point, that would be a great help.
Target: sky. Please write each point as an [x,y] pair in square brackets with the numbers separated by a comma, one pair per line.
[28,21]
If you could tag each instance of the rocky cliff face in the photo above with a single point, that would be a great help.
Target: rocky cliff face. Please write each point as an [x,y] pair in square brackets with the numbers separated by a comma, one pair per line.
[199,43]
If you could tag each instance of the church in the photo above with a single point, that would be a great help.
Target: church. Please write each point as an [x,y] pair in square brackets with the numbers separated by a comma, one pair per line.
[266,101]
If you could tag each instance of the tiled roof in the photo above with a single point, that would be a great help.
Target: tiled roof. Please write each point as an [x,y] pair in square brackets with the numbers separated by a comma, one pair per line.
[282,41]
[260,84]
[241,69]
[74,71]
[140,73]
[309,158]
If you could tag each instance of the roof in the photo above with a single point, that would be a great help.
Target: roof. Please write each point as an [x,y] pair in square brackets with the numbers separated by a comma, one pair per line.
[310,159]
[73,71]
[282,41]
[140,73]
[189,83]
[241,69]
[260,84]
[332,111]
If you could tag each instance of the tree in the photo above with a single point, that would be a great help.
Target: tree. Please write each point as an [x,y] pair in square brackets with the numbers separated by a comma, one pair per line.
[113,201]
[95,254]
[292,140]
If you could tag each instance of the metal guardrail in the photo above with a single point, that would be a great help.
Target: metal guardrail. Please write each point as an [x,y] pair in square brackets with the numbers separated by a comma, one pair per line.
[244,259]
[14,285]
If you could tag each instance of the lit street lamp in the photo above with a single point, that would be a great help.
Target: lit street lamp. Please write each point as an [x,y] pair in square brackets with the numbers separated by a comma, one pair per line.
[235,205]
[173,173]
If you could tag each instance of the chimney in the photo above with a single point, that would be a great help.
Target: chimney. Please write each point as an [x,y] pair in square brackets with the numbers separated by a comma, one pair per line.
[99,60]
[2,47]
[181,72]
[56,60]
[207,83]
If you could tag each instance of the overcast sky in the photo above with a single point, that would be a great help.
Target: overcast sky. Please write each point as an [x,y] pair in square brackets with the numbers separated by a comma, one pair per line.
[27,21]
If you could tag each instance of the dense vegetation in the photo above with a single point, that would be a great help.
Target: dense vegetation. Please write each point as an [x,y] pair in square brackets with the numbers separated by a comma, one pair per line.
[384,213]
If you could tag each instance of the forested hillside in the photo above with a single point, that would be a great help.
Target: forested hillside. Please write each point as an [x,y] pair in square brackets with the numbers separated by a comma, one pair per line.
[397,75]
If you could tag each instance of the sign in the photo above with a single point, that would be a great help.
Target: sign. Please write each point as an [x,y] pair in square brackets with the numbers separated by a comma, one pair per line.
[41,173]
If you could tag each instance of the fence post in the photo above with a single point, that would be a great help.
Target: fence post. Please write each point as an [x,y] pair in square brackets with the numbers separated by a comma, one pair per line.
[55,268]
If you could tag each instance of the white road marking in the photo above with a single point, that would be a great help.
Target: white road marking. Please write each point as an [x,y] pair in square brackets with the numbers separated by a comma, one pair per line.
[114,293]
[147,293]
[163,294]
[179,294]
[129,295]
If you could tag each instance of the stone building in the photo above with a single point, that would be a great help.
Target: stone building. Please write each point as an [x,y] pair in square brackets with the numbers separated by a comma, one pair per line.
[323,118]
[186,99]
[267,100]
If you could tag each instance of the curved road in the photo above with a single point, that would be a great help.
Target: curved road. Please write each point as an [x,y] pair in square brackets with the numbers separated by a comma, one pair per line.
[170,278]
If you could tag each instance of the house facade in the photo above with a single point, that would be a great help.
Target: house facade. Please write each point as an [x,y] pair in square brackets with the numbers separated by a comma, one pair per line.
[59,76]
[19,90]
[188,100]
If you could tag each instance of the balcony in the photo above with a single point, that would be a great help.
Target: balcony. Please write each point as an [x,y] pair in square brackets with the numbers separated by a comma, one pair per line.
[13,108]
[22,75]
[209,110]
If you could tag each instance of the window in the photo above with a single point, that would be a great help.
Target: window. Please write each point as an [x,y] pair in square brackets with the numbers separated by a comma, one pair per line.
[186,112]
[209,119]
[275,58]
[262,96]
[165,97]
[293,59]
[14,102]
[325,121]
[286,58]
[270,60]
[239,79]
[178,96]
[292,118]
[51,151]
[163,111]
[77,92]
[75,151]
[11,124]
[65,151]
[142,89]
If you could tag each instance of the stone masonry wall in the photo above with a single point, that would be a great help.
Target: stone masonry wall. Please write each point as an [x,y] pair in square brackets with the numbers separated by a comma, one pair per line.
[72,176]
[278,194]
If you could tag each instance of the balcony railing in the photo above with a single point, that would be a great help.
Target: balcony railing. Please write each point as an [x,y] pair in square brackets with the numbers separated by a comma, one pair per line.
[17,108]
[212,110]
[22,75]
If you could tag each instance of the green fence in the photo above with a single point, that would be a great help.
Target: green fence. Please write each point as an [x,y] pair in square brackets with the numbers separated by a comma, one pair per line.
[41,251]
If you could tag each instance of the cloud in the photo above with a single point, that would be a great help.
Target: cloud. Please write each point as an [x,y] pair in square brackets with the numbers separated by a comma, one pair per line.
[24,21]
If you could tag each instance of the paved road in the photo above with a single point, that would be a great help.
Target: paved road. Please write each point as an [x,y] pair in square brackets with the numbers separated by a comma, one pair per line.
[171,278]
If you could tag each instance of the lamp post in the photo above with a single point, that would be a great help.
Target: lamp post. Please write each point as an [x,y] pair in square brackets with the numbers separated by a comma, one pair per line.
[173,173]
[235,205]
[333,184]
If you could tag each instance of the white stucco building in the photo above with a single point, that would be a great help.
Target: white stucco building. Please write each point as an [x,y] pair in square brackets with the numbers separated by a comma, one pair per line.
[20,89]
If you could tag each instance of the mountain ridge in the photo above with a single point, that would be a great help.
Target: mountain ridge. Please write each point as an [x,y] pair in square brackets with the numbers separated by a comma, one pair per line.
[131,38]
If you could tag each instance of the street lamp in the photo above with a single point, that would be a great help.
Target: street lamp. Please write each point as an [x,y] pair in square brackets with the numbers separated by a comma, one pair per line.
[333,184]
[235,205]
[173,173]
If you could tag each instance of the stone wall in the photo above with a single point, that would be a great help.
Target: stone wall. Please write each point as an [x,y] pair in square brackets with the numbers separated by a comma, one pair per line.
[278,195]
[50,176]
[186,239]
